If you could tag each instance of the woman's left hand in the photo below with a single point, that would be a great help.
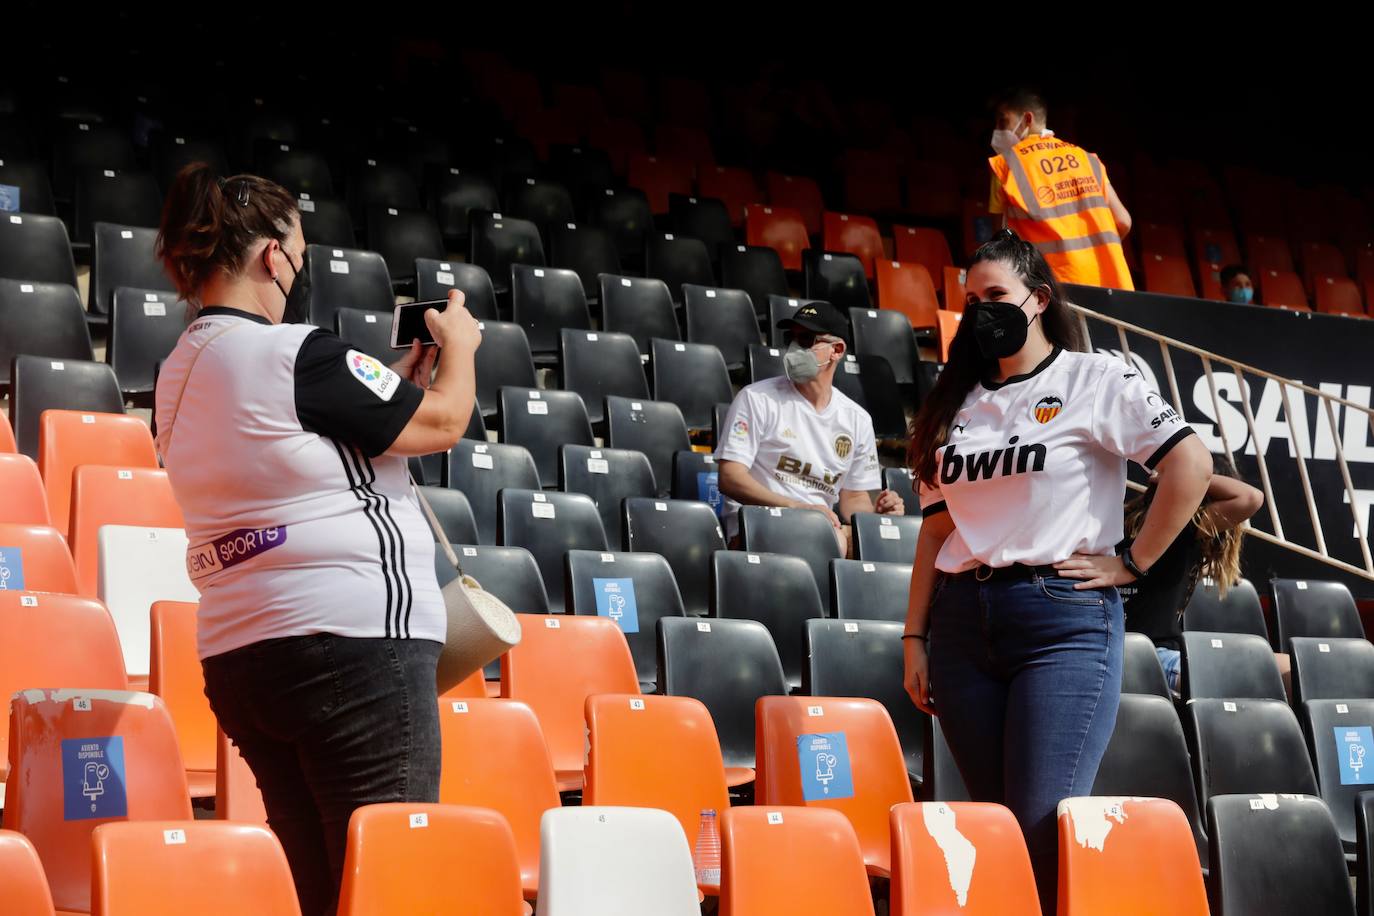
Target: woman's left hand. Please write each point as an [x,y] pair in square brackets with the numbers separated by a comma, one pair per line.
[417,365]
[1099,572]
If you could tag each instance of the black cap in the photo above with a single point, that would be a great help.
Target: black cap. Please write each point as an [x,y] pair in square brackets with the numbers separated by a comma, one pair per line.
[819,317]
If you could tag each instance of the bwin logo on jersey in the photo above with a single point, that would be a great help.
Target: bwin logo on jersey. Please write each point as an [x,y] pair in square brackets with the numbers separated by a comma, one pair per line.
[996,463]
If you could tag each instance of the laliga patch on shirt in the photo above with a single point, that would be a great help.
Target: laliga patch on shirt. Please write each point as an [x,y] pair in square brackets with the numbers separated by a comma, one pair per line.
[374,376]
[741,428]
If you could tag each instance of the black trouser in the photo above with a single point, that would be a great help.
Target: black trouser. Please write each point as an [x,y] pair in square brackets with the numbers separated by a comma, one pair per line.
[329,724]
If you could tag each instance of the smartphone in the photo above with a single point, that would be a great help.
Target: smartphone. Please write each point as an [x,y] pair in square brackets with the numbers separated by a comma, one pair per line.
[408,323]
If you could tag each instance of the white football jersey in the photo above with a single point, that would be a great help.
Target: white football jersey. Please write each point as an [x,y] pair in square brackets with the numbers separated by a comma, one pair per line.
[796,451]
[1035,467]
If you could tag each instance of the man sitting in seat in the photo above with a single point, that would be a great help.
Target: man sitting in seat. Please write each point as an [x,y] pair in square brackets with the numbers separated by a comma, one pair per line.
[797,441]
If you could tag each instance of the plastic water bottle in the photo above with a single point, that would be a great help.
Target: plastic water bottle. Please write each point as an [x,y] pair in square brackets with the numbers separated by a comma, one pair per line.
[706,853]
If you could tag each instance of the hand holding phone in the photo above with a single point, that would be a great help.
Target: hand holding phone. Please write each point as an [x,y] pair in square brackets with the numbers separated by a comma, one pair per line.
[448,325]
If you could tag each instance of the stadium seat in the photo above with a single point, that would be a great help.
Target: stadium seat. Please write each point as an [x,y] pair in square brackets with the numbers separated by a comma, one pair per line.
[657,752]
[755,269]
[1364,853]
[885,538]
[763,363]
[1313,608]
[509,573]
[30,178]
[548,525]
[1338,296]
[781,308]
[599,363]
[1142,672]
[691,375]
[547,300]
[120,256]
[162,867]
[26,502]
[34,557]
[655,428]
[401,237]
[1238,612]
[800,532]
[1246,746]
[1330,668]
[174,675]
[1253,869]
[640,307]
[634,590]
[68,439]
[953,288]
[626,215]
[145,326]
[369,332]
[498,243]
[691,144]
[78,645]
[799,194]
[132,771]
[865,590]
[380,184]
[684,532]
[960,857]
[839,279]
[540,201]
[723,318]
[513,774]
[503,359]
[1340,733]
[24,886]
[88,145]
[129,197]
[949,326]
[444,860]
[899,480]
[702,218]
[885,333]
[856,235]
[863,658]
[907,288]
[677,260]
[346,278]
[608,476]
[326,221]
[103,496]
[35,249]
[1229,666]
[774,589]
[924,246]
[1113,850]
[453,195]
[139,566]
[236,788]
[696,475]
[1268,253]
[941,780]
[870,382]
[42,319]
[587,251]
[300,171]
[1163,239]
[1148,756]
[1282,290]
[733,186]
[780,228]
[853,764]
[1168,274]
[558,663]
[621,137]
[596,861]
[789,859]
[582,169]
[977,225]
[541,421]
[658,177]
[38,384]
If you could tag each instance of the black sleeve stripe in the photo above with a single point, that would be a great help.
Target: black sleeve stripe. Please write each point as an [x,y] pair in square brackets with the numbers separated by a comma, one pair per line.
[935,508]
[1167,447]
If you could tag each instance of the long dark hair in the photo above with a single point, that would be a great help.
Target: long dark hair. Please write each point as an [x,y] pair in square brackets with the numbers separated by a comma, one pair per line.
[966,365]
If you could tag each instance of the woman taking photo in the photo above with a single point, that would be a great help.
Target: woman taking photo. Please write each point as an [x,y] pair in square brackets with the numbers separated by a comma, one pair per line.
[1014,629]
[320,620]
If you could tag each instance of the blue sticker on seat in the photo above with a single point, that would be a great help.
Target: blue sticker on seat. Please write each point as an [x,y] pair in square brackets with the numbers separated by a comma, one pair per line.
[1352,746]
[615,598]
[93,779]
[708,490]
[9,198]
[824,763]
[982,229]
[1212,251]
[11,569]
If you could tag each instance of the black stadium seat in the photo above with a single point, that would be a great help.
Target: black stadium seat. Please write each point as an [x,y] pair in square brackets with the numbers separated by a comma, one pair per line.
[481,470]
[608,476]
[676,260]
[801,532]
[886,333]
[401,237]
[1141,671]
[544,203]
[131,198]
[837,278]
[502,360]
[509,573]
[655,428]
[346,278]
[587,251]
[453,194]
[122,256]
[548,524]
[692,376]
[900,481]
[1340,735]
[625,214]
[868,381]
[326,221]
[781,308]
[1331,668]
[639,307]
[42,319]
[696,476]
[701,218]
[600,363]
[1246,746]
[774,589]
[1313,608]
[864,590]
[144,329]
[381,184]
[369,332]
[1238,612]
[546,301]
[31,180]
[684,532]
[650,594]
[941,780]
[764,363]
[497,242]
[885,538]
[435,277]
[723,318]
[38,383]
[757,270]
[542,421]
[1229,666]
[454,513]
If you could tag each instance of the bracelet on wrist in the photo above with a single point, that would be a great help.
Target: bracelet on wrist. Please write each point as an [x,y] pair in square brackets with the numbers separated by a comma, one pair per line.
[919,636]
[1129,562]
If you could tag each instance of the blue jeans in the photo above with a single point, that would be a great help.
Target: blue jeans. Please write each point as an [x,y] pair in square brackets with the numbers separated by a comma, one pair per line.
[1026,676]
[1171,660]
[328,724]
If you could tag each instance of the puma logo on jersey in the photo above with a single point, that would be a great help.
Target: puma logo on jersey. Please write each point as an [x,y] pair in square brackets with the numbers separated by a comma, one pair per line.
[996,463]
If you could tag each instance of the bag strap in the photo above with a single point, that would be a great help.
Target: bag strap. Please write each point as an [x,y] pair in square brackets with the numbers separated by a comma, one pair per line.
[187,379]
[434,524]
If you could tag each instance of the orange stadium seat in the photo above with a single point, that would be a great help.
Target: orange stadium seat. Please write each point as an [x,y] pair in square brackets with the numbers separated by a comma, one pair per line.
[70,438]
[779,228]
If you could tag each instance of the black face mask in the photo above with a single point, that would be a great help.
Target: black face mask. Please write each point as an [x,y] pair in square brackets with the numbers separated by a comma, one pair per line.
[297,310]
[999,327]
